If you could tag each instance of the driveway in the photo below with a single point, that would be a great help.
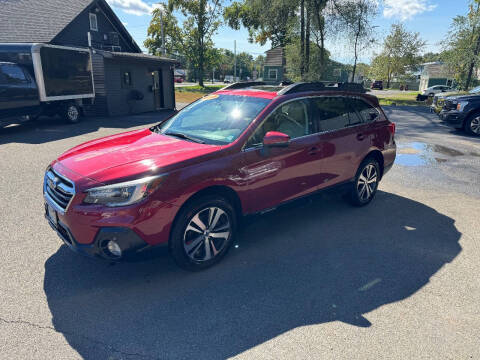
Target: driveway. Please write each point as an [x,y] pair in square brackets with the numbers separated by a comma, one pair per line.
[316,279]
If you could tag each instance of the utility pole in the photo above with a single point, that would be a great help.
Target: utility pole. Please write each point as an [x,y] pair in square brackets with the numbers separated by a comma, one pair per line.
[162,34]
[234,60]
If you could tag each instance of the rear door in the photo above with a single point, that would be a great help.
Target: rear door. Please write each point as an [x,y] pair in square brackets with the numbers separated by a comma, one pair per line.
[343,139]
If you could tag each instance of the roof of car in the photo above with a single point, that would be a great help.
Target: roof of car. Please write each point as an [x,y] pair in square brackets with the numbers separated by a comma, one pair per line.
[271,92]
[249,92]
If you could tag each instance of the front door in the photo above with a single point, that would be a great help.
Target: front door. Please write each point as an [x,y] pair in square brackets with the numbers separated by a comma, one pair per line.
[157,90]
[275,175]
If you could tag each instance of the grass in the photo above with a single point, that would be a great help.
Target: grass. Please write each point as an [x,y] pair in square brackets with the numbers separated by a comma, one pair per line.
[408,98]
[188,94]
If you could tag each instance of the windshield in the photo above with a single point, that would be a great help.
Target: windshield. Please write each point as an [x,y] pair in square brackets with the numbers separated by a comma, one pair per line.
[214,119]
[475,90]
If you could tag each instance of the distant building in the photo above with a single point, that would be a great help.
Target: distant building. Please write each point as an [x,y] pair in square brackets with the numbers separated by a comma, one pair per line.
[126,80]
[434,73]
[274,68]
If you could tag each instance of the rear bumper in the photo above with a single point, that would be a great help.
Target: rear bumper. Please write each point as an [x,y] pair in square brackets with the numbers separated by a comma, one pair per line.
[453,118]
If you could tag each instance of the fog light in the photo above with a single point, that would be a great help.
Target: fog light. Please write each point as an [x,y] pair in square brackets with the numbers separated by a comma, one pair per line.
[114,248]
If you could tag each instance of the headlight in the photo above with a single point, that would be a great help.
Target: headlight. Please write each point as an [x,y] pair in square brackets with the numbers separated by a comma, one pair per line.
[123,194]
[461,105]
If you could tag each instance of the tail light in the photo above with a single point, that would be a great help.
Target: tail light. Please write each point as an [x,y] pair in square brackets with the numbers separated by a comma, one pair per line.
[391,128]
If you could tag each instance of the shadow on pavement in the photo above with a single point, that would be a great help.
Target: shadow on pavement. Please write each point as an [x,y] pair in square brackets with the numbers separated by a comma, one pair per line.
[313,262]
[47,129]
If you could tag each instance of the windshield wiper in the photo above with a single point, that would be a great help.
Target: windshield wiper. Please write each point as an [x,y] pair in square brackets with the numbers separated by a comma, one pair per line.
[184,136]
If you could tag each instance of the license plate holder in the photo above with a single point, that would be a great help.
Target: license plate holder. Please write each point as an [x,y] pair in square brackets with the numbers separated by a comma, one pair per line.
[52,215]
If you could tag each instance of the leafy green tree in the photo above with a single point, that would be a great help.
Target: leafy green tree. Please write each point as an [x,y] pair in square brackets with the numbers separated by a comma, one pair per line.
[462,46]
[264,19]
[401,52]
[194,39]
[352,20]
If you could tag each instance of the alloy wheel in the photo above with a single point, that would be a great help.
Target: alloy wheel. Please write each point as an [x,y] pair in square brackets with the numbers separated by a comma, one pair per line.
[206,234]
[367,182]
[475,125]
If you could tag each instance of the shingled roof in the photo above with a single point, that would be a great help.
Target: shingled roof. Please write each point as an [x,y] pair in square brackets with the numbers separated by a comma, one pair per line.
[39,21]
[30,21]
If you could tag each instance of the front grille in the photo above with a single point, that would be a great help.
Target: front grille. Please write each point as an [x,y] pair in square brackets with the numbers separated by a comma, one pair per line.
[59,189]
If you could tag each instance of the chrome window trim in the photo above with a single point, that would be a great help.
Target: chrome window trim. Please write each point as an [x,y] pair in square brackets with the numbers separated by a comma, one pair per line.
[256,147]
[68,190]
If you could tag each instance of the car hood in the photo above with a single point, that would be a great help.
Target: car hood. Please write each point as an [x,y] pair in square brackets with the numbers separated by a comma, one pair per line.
[451,94]
[467,97]
[128,154]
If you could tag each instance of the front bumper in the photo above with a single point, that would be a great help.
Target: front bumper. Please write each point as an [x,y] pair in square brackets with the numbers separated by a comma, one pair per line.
[86,229]
[452,118]
[130,243]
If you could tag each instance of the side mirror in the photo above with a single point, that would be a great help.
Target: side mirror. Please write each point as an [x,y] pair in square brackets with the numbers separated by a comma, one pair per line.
[276,139]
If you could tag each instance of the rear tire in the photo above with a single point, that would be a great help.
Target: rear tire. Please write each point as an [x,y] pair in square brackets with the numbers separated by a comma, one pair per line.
[71,113]
[366,182]
[202,233]
[472,125]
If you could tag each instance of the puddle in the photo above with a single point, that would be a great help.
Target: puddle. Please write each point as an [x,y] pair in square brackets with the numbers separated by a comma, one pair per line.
[417,154]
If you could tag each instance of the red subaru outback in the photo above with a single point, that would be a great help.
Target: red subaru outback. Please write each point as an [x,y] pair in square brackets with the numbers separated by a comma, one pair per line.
[187,181]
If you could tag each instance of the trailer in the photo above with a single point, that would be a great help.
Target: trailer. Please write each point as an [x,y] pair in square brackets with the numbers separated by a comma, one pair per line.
[43,79]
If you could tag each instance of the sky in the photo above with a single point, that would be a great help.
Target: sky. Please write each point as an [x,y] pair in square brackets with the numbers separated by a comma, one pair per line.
[431,18]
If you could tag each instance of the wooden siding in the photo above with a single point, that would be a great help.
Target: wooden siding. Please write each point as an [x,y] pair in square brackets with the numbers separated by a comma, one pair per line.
[141,74]
[275,57]
[75,34]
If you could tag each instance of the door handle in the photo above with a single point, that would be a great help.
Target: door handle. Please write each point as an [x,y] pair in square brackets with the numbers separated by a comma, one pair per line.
[360,137]
[313,150]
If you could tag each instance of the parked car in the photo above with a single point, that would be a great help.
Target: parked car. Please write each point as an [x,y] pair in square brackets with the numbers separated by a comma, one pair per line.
[432,90]
[377,84]
[44,80]
[463,112]
[438,101]
[178,79]
[186,182]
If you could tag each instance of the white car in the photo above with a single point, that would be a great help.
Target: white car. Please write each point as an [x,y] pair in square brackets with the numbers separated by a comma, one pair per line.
[432,90]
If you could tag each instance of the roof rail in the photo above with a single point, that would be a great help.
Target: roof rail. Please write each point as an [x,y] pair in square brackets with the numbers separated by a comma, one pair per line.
[243,85]
[302,87]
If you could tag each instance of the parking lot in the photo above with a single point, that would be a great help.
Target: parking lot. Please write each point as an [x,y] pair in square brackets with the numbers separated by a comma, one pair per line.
[315,279]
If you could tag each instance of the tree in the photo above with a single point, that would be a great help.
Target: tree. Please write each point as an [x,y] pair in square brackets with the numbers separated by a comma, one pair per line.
[462,46]
[200,24]
[353,19]
[265,19]
[401,51]
[171,31]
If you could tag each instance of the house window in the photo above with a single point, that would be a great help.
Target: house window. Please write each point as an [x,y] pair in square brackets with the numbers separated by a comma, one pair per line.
[272,74]
[126,79]
[93,22]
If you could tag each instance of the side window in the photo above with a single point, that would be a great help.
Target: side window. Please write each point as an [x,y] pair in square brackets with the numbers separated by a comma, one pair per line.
[332,113]
[292,118]
[126,79]
[93,21]
[272,74]
[366,111]
[13,74]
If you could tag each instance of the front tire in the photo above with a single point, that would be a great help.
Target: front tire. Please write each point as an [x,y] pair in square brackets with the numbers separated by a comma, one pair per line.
[366,183]
[203,232]
[472,125]
[71,113]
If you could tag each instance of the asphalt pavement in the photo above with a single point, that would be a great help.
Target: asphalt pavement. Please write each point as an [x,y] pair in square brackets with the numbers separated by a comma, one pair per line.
[314,280]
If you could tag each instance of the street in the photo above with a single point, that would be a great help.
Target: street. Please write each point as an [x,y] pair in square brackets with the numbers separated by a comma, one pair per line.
[315,279]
